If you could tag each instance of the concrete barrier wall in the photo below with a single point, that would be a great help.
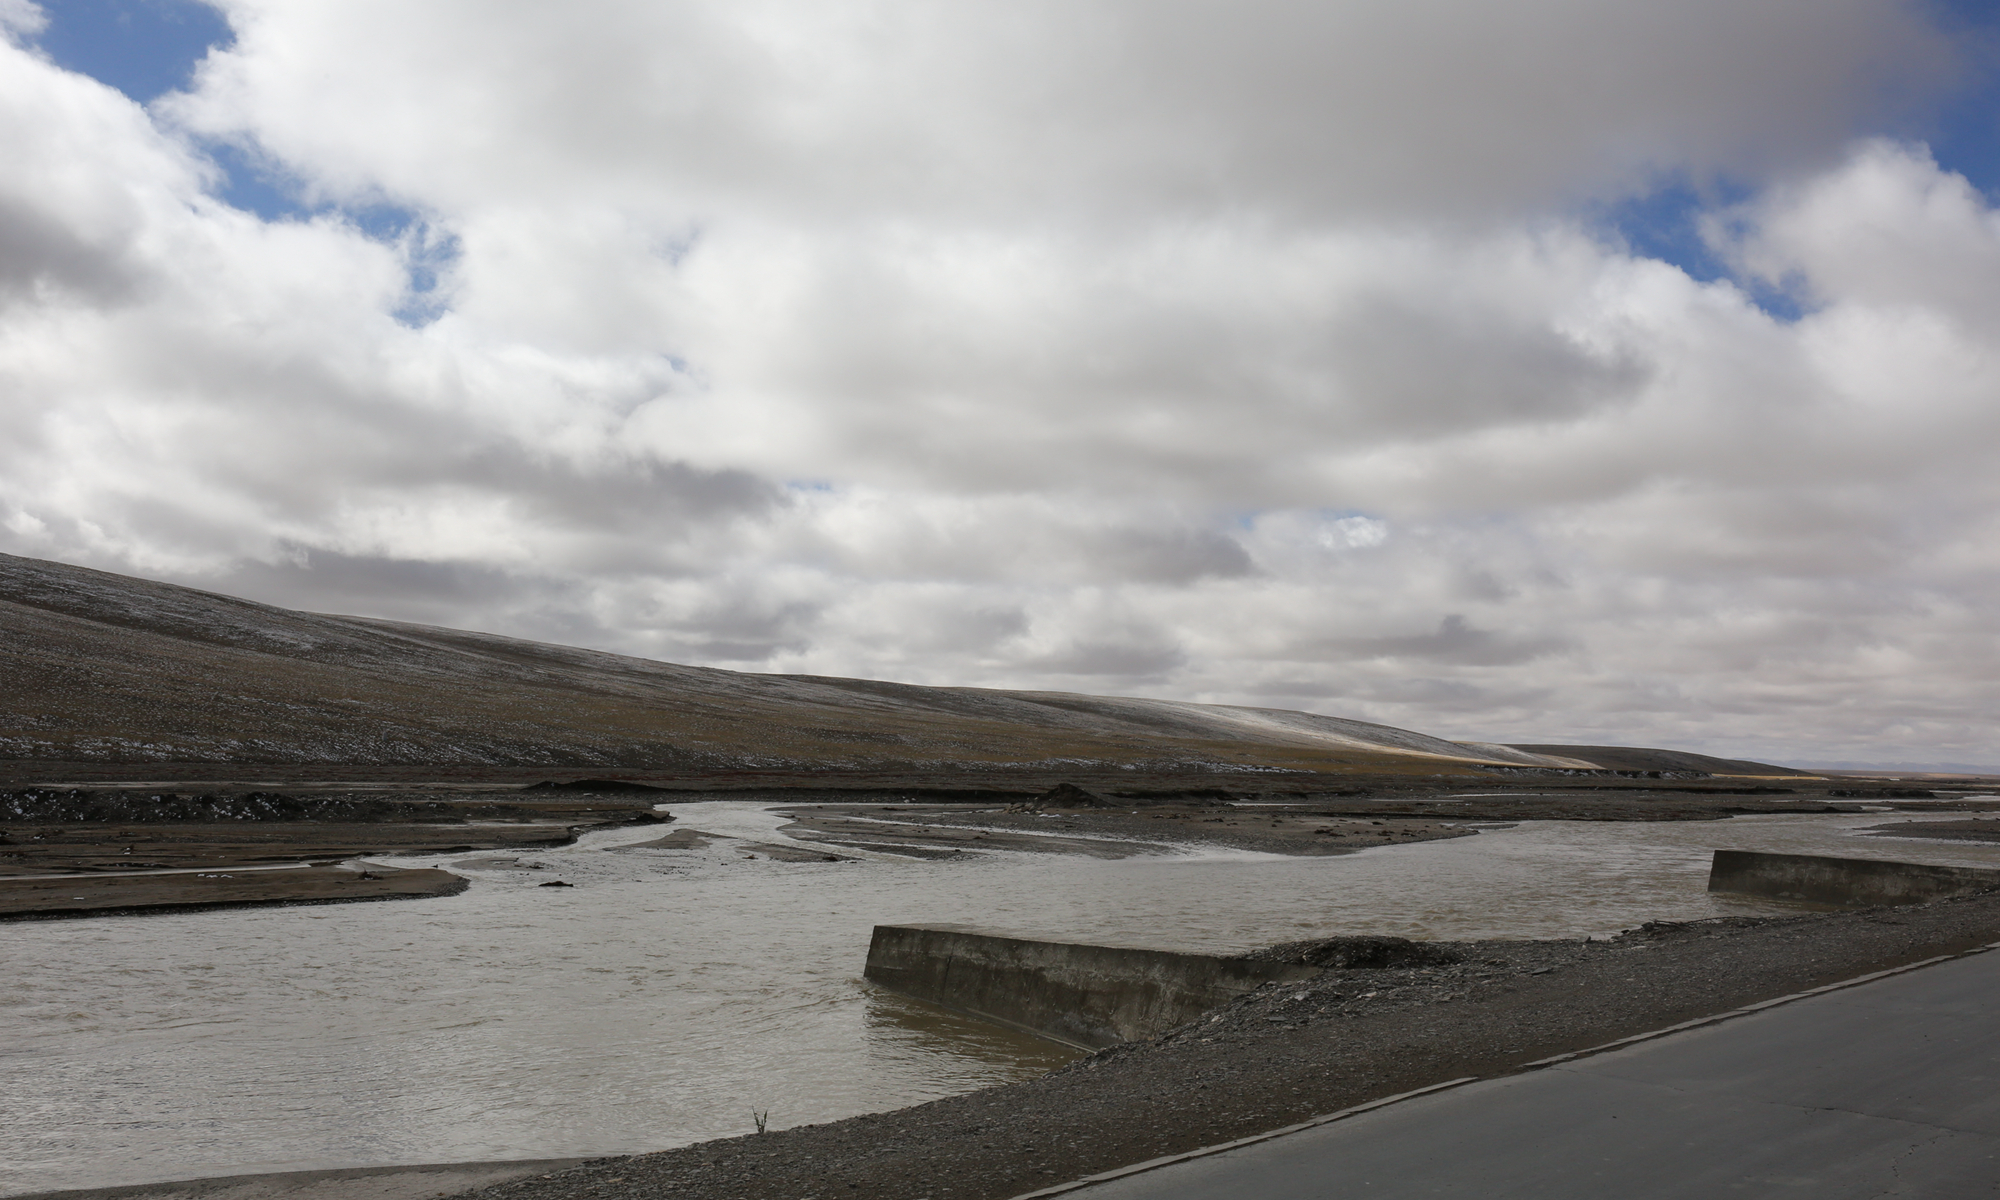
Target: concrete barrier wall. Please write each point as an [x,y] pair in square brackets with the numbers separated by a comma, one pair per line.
[1087,996]
[1844,881]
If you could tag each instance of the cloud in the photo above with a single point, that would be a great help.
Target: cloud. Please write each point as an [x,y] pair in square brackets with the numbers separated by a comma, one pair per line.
[20,18]
[1251,355]
[39,256]
[1888,230]
[999,112]
[1454,641]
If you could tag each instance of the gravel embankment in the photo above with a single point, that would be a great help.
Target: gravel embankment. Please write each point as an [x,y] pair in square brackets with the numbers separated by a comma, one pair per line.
[1287,1053]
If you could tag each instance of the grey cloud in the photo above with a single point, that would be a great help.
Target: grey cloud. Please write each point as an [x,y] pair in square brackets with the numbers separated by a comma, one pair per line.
[735,625]
[1455,641]
[1170,556]
[303,437]
[1459,108]
[396,589]
[725,624]
[1104,639]
[940,628]
[1003,109]
[39,254]
[619,499]
[1445,695]
[1122,660]
[1410,372]
[1297,691]
[1483,585]
[1831,530]
[750,653]
[1056,538]
[1451,707]
[1229,375]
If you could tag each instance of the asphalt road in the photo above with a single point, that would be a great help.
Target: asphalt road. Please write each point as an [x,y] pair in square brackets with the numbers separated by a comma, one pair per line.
[1887,1089]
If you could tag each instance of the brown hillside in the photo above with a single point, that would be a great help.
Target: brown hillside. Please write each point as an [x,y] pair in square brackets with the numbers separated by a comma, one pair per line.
[107,668]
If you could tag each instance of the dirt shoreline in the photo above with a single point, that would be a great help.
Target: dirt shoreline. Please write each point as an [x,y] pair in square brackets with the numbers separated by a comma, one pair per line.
[1981,830]
[49,897]
[80,853]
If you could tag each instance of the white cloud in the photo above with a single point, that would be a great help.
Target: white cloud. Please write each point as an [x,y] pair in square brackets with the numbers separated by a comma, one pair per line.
[21,18]
[1253,355]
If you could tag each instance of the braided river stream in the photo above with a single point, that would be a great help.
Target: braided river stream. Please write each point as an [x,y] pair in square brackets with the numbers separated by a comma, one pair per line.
[668,994]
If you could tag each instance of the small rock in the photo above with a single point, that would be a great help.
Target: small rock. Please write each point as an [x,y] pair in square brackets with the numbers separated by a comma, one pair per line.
[1359,952]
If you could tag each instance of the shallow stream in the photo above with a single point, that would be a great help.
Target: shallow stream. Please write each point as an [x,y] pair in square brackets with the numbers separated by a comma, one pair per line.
[668,994]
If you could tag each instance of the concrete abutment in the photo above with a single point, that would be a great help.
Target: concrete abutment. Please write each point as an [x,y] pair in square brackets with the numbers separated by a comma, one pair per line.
[1084,996]
[1848,882]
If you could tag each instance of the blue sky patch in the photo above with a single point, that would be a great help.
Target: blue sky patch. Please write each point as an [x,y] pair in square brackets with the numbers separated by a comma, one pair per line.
[144,48]
[1964,133]
[1666,224]
[147,48]
[253,184]
[427,254]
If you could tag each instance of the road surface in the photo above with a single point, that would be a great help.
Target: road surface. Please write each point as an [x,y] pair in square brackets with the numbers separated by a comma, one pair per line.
[1886,1089]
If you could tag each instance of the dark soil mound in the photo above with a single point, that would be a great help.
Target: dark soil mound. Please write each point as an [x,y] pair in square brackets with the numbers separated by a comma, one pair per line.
[592,786]
[1068,795]
[1171,795]
[1366,953]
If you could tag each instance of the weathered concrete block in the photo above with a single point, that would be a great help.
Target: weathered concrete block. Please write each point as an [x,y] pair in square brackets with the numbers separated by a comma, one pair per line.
[1087,996]
[1844,881]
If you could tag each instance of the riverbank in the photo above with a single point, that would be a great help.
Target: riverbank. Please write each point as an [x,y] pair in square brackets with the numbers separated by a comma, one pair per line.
[1984,830]
[161,850]
[941,830]
[186,891]
[76,852]
[1109,827]
[1291,1052]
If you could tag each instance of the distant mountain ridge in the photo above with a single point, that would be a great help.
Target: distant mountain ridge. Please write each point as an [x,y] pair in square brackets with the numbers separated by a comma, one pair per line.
[109,668]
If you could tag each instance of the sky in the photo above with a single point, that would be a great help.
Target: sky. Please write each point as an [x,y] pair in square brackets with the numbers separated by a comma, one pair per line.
[1567,371]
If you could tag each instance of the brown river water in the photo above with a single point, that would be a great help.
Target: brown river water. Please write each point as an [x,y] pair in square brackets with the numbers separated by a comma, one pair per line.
[668,994]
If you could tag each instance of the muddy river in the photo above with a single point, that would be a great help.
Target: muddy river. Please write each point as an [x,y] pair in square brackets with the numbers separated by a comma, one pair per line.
[669,993]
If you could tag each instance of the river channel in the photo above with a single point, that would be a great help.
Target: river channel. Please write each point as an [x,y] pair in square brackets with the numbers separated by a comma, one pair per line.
[669,993]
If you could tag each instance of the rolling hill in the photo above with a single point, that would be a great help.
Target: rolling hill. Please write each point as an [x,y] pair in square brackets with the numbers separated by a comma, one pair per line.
[111,669]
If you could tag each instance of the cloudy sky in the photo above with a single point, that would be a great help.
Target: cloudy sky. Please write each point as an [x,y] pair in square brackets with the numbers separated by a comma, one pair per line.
[1548,370]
